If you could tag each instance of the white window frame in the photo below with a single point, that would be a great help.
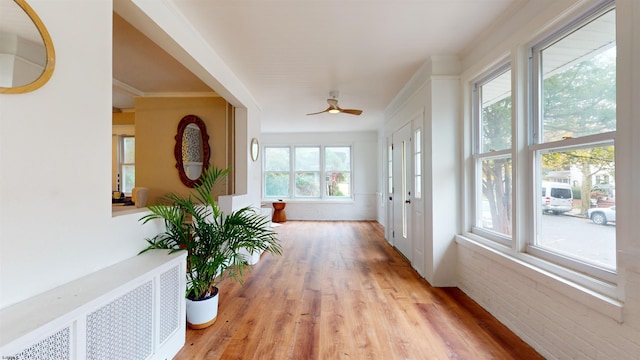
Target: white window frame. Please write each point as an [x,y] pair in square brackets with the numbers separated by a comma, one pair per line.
[297,171]
[479,156]
[266,172]
[324,172]
[525,192]
[536,145]
[122,163]
[292,174]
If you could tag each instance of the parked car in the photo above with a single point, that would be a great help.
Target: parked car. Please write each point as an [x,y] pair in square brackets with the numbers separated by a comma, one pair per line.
[601,216]
[557,198]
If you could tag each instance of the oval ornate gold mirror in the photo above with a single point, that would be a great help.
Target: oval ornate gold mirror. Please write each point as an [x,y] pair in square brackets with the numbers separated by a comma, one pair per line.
[26,43]
[255,149]
[192,149]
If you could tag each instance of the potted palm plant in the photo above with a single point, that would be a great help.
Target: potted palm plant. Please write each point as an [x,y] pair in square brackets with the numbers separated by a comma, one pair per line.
[216,243]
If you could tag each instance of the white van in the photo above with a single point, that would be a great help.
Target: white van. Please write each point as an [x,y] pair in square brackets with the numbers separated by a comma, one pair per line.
[557,198]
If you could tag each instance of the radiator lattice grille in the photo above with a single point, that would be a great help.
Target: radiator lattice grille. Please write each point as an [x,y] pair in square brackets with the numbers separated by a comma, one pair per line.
[122,329]
[169,302]
[54,347]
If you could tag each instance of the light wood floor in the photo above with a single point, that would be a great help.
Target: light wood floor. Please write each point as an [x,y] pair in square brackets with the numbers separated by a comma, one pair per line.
[339,291]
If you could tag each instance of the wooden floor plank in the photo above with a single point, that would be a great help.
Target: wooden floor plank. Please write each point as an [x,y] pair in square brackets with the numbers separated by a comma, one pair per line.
[340,291]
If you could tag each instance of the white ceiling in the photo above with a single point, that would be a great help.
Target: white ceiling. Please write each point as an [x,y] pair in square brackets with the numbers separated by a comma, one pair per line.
[291,53]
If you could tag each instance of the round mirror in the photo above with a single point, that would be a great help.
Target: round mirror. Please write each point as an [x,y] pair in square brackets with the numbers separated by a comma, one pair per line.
[255,149]
[192,149]
[25,46]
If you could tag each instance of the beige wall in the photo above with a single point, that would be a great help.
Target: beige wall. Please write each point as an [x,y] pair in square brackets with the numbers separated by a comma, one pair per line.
[123,118]
[156,125]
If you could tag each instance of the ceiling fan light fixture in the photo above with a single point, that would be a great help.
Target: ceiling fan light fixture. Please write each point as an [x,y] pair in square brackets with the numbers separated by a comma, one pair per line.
[334,108]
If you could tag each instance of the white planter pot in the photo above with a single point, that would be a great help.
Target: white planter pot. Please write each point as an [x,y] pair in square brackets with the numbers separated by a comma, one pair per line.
[202,313]
[252,258]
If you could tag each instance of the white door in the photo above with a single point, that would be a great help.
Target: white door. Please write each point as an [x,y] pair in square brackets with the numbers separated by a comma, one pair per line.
[402,190]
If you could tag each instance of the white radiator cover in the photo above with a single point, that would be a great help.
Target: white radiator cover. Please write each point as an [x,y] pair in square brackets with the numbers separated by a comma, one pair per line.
[131,310]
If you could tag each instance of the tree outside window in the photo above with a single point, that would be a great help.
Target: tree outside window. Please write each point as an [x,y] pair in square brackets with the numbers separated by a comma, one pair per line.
[573,136]
[307,167]
[493,152]
[319,172]
[277,164]
[338,171]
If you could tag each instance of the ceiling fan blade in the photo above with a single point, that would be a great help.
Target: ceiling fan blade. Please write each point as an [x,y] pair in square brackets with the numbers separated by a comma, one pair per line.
[335,109]
[351,111]
[320,112]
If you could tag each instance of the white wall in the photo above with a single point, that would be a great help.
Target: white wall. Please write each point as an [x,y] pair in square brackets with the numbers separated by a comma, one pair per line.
[365,177]
[430,102]
[557,317]
[56,223]
[55,146]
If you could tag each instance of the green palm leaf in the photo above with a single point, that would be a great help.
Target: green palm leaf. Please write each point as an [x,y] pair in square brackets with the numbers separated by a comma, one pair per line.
[213,240]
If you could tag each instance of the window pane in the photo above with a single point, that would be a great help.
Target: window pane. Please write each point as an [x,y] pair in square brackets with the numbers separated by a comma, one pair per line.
[578,87]
[276,184]
[307,184]
[390,168]
[307,158]
[418,178]
[417,166]
[496,195]
[128,178]
[337,159]
[578,213]
[495,98]
[129,145]
[338,184]
[276,159]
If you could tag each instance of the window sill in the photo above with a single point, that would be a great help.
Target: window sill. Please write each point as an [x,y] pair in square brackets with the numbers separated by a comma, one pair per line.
[118,210]
[602,301]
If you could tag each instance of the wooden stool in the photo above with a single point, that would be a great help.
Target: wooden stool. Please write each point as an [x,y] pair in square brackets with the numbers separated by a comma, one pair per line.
[279,216]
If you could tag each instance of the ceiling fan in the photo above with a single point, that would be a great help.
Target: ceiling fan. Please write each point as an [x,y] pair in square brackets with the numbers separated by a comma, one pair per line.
[334,108]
